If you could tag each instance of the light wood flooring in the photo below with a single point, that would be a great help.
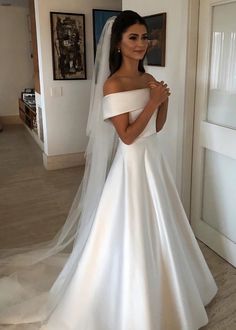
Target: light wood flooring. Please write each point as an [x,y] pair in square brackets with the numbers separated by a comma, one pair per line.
[34,204]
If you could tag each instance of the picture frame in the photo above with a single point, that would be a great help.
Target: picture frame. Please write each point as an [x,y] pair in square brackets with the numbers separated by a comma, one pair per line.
[157,35]
[68,46]
[100,16]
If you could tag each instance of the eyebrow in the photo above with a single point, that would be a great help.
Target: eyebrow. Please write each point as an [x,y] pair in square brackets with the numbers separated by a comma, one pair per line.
[136,34]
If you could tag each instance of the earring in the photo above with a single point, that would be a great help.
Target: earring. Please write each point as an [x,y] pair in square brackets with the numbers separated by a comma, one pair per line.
[118,50]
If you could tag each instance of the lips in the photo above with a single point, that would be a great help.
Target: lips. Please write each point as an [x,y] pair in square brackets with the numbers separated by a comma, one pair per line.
[139,51]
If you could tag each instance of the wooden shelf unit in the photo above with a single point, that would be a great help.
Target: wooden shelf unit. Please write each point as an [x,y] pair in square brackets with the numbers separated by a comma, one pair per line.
[28,114]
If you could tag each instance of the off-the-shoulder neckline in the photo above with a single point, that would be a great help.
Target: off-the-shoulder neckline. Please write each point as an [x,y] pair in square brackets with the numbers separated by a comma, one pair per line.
[131,90]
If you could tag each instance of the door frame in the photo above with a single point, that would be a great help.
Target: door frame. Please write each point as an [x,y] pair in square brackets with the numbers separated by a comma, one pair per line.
[189,104]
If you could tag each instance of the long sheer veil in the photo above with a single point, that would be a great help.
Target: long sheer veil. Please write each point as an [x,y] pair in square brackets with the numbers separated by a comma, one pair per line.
[34,278]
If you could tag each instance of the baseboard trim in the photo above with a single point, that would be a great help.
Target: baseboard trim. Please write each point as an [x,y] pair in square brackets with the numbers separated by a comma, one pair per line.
[11,120]
[63,161]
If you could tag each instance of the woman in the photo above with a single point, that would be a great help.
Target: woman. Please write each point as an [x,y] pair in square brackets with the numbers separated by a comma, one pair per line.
[128,48]
[135,263]
[141,262]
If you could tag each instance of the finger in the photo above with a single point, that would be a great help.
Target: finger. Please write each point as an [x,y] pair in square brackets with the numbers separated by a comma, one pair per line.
[153,85]
[155,82]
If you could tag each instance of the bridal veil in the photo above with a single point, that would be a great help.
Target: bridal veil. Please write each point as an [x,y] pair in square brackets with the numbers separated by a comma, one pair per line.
[34,278]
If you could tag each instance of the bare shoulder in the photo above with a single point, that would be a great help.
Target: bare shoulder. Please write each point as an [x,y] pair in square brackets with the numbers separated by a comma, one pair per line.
[112,85]
[148,77]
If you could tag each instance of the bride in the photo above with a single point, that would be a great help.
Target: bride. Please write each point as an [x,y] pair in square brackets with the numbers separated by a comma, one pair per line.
[135,263]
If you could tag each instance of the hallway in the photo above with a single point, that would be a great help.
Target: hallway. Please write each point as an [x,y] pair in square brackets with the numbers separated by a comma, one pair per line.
[34,203]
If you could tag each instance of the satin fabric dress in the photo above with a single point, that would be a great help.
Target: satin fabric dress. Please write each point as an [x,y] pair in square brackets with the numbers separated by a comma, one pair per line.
[142,268]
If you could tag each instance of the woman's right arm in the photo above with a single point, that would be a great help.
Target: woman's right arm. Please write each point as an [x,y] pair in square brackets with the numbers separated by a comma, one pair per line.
[128,132]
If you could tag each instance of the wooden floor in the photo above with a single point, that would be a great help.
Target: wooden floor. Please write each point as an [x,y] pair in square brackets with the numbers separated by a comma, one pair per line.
[34,204]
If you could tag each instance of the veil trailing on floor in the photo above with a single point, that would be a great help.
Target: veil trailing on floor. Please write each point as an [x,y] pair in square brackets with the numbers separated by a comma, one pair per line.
[34,278]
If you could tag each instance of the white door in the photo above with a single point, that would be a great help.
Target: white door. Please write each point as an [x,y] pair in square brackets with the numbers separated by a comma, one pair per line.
[213,205]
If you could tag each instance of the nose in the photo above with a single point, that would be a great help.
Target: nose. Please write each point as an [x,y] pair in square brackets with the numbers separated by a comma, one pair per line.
[142,42]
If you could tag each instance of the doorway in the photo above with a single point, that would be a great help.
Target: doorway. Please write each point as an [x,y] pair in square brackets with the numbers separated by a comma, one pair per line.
[16,65]
[213,189]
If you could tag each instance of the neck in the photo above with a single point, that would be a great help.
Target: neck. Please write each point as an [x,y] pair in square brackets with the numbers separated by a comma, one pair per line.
[129,68]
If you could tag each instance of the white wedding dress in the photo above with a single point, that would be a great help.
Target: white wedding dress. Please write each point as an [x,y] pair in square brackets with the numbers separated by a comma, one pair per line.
[135,263]
[141,267]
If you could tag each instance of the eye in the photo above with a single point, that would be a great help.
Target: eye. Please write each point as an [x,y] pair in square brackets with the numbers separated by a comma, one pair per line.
[132,38]
[145,37]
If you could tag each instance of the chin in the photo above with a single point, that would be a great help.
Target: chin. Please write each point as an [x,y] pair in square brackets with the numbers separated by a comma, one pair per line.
[139,56]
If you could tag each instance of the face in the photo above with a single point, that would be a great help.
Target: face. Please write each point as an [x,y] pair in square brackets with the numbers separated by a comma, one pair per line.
[134,42]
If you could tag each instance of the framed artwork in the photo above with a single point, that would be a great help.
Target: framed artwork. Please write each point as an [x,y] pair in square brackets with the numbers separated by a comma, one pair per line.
[68,46]
[157,35]
[100,16]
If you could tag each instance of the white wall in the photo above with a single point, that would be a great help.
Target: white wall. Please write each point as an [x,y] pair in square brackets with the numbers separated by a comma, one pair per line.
[173,73]
[65,116]
[16,65]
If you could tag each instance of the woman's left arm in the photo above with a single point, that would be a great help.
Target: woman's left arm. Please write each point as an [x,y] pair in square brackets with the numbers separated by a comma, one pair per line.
[161,115]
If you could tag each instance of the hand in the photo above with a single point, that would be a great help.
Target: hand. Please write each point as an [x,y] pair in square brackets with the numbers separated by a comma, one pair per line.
[159,92]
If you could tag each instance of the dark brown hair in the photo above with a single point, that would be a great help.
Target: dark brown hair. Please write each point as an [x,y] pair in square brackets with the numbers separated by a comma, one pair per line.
[122,22]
